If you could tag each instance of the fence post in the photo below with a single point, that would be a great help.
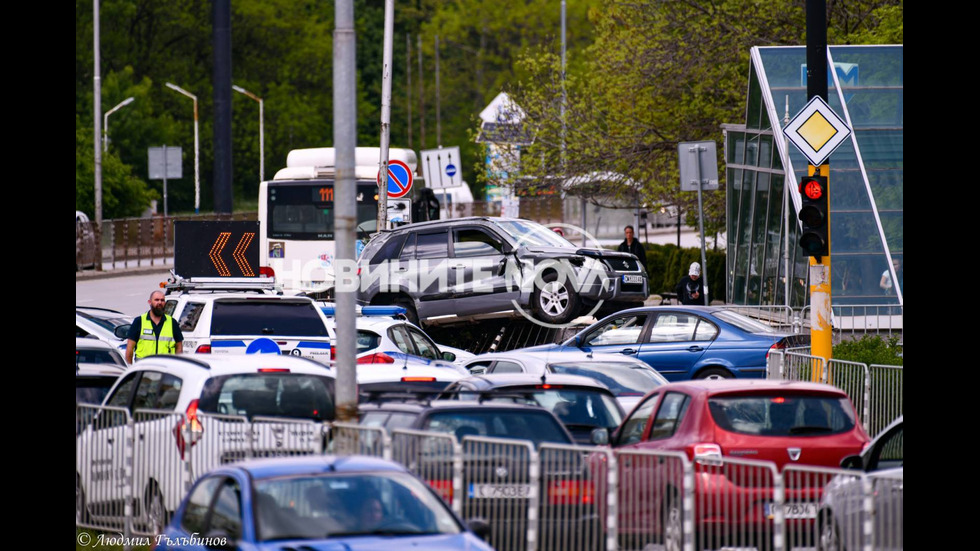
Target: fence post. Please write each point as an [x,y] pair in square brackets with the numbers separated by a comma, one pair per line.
[188,467]
[534,500]
[128,475]
[867,400]
[779,520]
[612,501]
[688,505]
[867,507]
[386,445]
[457,501]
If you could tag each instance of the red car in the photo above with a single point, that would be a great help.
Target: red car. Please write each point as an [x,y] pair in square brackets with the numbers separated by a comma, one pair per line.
[759,426]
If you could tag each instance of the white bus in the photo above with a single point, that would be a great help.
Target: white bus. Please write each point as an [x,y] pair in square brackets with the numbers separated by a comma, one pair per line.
[296,215]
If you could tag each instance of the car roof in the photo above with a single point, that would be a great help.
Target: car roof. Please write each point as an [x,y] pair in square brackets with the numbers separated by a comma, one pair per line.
[734,386]
[97,370]
[231,365]
[92,344]
[553,356]
[316,464]
[491,380]
[99,312]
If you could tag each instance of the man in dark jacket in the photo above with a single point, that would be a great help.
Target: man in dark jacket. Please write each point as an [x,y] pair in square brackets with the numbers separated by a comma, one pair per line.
[632,246]
[690,289]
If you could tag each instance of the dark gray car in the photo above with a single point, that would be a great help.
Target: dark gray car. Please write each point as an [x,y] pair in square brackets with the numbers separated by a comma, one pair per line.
[472,267]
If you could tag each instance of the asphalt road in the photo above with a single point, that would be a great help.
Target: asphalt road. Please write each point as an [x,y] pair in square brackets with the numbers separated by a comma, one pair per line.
[128,294]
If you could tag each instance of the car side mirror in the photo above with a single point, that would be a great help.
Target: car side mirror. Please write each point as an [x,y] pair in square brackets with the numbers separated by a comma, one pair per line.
[578,341]
[449,356]
[852,462]
[599,436]
[480,527]
[121,332]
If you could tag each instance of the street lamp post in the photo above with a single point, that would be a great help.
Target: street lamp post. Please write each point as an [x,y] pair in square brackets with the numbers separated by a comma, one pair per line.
[197,172]
[241,90]
[105,124]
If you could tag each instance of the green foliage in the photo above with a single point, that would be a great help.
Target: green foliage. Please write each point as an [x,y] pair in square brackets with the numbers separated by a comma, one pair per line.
[123,194]
[871,349]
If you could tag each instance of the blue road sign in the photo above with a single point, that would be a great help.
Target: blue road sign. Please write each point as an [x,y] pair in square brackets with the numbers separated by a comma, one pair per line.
[400,179]
[450,170]
[263,346]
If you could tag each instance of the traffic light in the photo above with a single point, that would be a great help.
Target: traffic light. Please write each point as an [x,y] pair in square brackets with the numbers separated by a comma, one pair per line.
[815,216]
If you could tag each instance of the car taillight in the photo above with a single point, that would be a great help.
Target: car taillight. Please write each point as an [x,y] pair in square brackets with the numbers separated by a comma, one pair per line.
[196,429]
[333,354]
[444,488]
[707,453]
[203,349]
[266,271]
[570,492]
[273,370]
[418,379]
[376,358]
[777,346]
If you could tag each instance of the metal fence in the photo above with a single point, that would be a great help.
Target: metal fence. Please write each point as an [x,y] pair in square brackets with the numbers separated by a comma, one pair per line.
[131,470]
[134,242]
[858,320]
[876,390]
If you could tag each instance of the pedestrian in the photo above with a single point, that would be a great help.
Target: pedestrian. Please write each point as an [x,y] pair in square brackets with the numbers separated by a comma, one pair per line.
[632,246]
[690,289]
[885,283]
[154,332]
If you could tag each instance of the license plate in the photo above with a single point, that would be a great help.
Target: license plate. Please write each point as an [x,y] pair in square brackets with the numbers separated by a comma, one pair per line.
[499,491]
[803,510]
[632,279]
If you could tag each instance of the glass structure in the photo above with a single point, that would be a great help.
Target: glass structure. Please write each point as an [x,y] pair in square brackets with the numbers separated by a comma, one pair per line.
[765,262]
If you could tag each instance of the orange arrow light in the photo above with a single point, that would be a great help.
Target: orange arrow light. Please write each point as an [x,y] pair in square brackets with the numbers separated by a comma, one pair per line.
[215,254]
[239,254]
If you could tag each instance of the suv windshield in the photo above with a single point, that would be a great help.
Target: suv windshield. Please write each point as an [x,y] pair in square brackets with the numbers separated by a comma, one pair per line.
[537,426]
[270,395]
[782,414]
[266,317]
[531,234]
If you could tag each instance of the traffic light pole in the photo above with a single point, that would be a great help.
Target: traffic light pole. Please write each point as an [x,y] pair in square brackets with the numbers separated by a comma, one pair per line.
[821,331]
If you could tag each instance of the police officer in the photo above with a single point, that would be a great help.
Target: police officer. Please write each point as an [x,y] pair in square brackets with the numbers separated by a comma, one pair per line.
[154,332]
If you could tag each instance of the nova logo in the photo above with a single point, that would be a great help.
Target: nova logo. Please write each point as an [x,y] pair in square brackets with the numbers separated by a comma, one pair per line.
[847,74]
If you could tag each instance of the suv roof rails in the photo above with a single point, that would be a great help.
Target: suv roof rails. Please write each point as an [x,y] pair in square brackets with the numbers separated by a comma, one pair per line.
[421,396]
[211,284]
[178,357]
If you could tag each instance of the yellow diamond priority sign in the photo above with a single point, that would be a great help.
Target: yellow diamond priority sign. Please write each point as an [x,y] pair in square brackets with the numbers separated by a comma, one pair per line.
[817,131]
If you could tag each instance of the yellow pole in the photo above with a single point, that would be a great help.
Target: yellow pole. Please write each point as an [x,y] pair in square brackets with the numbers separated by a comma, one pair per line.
[821,331]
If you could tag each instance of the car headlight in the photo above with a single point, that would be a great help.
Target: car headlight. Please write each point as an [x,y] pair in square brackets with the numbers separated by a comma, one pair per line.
[593,264]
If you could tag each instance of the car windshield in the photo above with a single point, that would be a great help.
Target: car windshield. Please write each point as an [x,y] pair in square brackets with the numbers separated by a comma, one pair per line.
[525,424]
[108,321]
[270,395]
[578,408]
[623,379]
[780,414]
[98,356]
[744,323]
[348,505]
[532,234]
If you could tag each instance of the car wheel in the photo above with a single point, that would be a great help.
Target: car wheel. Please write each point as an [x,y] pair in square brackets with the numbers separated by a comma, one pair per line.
[81,509]
[410,314]
[829,535]
[673,530]
[714,373]
[556,300]
[154,512]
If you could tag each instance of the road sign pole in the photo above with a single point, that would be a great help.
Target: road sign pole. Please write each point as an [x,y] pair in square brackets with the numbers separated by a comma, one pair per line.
[696,150]
[165,212]
[385,114]
[821,330]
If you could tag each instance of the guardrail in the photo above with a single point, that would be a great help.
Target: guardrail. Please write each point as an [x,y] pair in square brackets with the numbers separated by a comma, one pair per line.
[133,469]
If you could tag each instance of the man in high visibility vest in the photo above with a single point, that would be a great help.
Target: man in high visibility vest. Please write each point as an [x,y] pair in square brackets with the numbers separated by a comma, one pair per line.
[154,332]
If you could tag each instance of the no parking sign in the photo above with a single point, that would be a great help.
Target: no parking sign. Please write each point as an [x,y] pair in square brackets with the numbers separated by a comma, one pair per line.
[400,179]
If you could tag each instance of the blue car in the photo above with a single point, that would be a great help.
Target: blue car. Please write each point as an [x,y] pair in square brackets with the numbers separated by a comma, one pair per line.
[317,503]
[686,342]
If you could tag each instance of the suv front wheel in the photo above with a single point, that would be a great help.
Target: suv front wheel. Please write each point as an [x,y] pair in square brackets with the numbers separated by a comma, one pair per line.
[556,300]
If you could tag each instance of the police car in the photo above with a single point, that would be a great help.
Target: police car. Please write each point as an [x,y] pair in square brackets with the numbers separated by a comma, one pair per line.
[230,316]
[393,354]
[110,326]
[181,416]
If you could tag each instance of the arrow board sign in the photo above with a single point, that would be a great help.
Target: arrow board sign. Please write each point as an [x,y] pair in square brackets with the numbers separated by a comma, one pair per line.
[400,179]
[216,249]
[442,168]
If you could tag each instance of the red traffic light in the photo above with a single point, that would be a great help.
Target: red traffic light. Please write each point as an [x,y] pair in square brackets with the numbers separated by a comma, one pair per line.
[812,189]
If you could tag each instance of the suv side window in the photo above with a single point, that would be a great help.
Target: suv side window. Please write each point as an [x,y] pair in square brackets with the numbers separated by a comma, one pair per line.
[190,316]
[123,394]
[408,251]
[426,348]
[390,250]
[669,416]
[433,245]
[506,367]
[157,391]
[472,242]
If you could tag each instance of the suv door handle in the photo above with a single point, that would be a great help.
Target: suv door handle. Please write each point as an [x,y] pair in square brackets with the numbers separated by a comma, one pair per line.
[694,348]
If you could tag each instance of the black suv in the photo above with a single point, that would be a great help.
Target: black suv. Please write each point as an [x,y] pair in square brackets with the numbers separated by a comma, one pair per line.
[470,267]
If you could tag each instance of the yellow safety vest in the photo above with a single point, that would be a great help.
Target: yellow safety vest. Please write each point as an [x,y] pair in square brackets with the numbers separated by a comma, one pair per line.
[149,344]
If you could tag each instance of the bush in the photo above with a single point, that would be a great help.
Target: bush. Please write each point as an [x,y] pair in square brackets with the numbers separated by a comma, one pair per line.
[667,264]
[870,349]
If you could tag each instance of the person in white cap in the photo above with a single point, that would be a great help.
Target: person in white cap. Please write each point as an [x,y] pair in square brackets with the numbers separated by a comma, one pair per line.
[690,289]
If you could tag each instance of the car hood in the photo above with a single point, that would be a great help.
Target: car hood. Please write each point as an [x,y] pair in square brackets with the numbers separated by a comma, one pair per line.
[438,542]
[559,252]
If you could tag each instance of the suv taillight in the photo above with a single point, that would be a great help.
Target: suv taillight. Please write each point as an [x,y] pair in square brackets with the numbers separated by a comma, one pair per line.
[333,354]
[376,358]
[196,429]
[570,492]
[203,349]
[444,488]
[706,453]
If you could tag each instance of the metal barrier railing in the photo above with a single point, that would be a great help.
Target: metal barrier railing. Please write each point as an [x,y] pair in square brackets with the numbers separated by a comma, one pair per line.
[132,471]
[860,320]
[886,390]
[803,367]
[854,379]
[781,317]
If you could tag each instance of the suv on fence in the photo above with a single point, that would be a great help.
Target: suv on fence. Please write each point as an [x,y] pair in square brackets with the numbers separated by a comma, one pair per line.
[186,415]
[244,316]
[472,267]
